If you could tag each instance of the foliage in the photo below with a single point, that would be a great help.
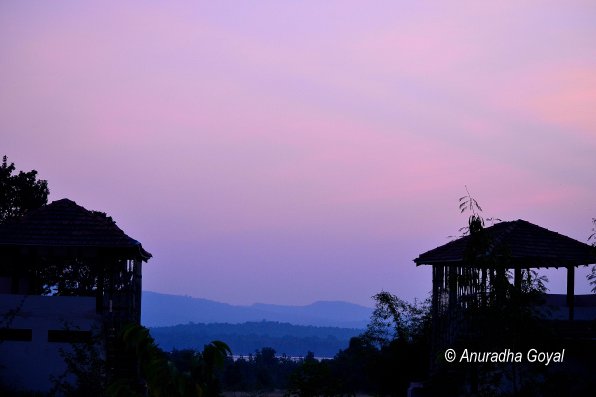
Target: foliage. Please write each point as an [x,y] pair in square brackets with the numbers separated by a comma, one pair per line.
[371,365]
[475,221]
[69,277]
[260,372]
[20,192]
[312,378]
[400,333]
[366,366]
[85,363]
[9,316]
[391,353]
[142,368]
[197,377]
[394,318]
[592,239]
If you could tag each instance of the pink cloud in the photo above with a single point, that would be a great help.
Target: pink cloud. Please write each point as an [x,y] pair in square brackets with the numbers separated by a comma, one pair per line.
[564,96]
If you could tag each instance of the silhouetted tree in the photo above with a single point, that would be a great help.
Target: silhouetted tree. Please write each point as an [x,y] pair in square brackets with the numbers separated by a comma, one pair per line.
[20,192]
[394,318]
[401,332]
[356,367]
[192,374]
[313,378]
[261,372]
[85,363]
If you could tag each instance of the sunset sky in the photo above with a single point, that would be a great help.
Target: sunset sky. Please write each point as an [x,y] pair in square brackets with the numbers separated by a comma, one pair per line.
[294,151]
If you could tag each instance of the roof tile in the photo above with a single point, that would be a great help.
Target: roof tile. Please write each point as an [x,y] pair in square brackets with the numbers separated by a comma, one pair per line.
[526,244]
[63,223]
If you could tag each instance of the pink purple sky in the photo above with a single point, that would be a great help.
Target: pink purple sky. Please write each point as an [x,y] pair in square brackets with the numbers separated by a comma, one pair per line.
[287,152]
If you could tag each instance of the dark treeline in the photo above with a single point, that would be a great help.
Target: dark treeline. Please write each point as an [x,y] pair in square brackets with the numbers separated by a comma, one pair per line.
[361,368]
[383,360]
[246,338]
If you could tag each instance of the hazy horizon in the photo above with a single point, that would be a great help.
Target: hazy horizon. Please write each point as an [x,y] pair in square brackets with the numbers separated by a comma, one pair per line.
[289,152]
[370,305]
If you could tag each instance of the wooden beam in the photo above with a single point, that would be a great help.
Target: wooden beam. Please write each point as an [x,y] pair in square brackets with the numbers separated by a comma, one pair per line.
[571,290]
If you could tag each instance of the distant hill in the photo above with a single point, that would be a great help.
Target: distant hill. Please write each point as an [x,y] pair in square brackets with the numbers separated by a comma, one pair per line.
[244,339]
[165,310]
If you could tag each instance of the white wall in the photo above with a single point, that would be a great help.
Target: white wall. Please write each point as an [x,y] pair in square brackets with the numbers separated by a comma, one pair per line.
[29,365]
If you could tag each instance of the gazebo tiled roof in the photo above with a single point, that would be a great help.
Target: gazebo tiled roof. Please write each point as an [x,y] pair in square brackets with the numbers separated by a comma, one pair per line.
[63,223]
[527,245]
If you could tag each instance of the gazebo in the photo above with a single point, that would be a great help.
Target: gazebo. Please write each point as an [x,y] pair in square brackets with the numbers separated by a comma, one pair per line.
[466,269]
[67,274]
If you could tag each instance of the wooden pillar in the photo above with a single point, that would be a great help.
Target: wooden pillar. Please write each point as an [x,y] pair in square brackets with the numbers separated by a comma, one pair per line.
[452,287]
[483,287]
[435,297]
[571,290]
[437,287]
[501,284]
[138,289]
[99,303]
[518,279]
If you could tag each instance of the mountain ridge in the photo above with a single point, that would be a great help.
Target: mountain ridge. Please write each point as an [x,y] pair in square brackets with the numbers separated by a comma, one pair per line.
[159,310]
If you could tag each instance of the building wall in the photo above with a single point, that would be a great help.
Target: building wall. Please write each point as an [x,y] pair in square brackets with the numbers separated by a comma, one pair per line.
[39,322]
[555,307]
[6,285]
